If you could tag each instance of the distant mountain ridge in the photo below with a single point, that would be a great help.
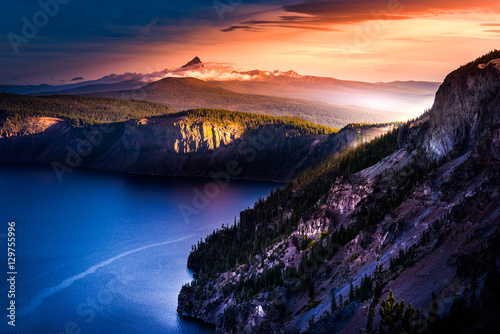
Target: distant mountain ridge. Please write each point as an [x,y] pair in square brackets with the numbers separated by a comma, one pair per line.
[399,96]
[405,97]
[191,93]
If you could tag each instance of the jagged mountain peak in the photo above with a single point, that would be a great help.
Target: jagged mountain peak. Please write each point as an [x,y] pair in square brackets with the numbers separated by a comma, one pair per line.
[196,61]
[291,74]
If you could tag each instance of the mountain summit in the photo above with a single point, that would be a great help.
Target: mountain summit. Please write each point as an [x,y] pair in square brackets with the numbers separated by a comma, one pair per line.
[196,62]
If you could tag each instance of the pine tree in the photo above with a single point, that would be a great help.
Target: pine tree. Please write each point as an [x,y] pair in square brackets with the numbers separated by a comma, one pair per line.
[311,290]
[334,301]
[396,317]
[351,293]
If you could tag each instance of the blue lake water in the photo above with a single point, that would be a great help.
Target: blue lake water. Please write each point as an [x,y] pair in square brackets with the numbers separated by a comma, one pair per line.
[104,252]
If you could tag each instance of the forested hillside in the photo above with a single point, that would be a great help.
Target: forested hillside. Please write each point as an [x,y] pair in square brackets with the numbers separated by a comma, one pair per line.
[190,93]
[412,215]
[78,110]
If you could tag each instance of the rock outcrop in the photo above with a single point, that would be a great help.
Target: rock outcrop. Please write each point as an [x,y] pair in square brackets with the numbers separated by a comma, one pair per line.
[466,111]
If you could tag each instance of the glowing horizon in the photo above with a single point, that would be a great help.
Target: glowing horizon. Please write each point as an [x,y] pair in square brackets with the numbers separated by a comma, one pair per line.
[360,40]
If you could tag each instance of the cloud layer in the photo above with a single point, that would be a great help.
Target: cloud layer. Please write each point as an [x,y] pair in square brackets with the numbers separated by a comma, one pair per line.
[210,72]
[316,14]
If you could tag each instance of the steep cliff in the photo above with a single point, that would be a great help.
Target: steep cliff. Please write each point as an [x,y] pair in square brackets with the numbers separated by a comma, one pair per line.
[200,143]
[465,111]
[417,212]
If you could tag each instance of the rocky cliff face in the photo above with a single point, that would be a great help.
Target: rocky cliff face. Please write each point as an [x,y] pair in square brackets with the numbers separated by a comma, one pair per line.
[179,136]
[119,146]
[466,111]
[33,126]
[173,146]
[430,212]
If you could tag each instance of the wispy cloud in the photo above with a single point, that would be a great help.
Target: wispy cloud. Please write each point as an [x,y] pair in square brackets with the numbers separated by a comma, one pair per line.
[244,27]
[339,11]
[316,14]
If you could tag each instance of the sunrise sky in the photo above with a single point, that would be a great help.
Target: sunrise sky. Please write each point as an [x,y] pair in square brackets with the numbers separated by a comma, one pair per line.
[376,40]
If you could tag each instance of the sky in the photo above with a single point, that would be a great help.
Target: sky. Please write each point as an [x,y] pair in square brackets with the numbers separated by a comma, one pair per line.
[63,41]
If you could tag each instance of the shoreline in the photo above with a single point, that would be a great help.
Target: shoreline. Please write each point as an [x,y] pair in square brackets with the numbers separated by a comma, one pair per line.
[195,319]
[34,163]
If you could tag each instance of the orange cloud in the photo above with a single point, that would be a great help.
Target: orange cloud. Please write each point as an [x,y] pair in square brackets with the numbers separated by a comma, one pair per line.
[315,14]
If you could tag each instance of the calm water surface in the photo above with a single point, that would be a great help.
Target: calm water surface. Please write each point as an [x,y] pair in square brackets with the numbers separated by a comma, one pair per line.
[106,253]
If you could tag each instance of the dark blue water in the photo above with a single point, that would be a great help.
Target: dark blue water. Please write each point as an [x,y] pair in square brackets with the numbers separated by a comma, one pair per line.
[106,253]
